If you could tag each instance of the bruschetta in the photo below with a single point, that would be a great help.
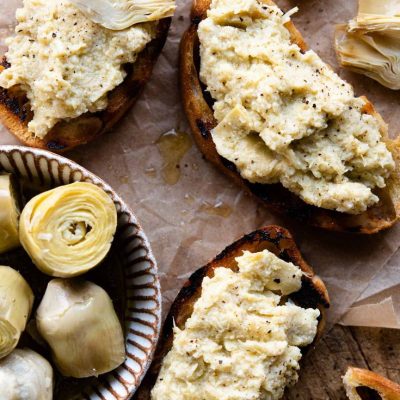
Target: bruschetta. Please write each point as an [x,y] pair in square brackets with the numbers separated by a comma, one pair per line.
[199,108]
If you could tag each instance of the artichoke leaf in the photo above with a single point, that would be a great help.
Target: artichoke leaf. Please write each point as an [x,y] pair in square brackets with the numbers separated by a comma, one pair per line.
[25,375]
[122,14]
[78,321]
[16,300]
[68,230]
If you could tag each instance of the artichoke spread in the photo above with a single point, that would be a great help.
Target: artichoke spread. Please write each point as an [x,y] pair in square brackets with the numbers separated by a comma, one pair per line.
[68,230]
[25,375]
[283,115]
[16,300]
[9,215]
[66,63]
[243,338]
[78,320]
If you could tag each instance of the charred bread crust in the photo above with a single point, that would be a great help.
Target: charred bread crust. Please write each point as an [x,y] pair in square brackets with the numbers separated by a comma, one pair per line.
[198,108]
[15,112]
[371,386]
[278,240]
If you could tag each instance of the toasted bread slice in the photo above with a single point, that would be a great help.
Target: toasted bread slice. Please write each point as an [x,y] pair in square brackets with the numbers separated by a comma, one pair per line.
[273,238]
[362,384]
[15,112]
[198,108]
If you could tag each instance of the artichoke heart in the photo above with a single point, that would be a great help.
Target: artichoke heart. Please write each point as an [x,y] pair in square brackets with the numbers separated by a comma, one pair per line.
[25,375]
[9,215]
[121,14]
[370,43]
[16,300]
[375,56]
[68,230]
[78,321]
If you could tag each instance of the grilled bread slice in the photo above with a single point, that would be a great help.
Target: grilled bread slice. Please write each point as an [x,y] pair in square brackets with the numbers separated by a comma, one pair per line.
[198,109]
[273,238]
[15,112]
[362,384]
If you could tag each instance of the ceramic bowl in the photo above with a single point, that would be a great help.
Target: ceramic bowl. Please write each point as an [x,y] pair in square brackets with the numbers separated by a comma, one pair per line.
[129,274]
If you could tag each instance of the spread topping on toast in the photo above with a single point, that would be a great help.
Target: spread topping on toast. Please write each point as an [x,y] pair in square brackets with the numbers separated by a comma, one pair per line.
[243,338]
[283,115]
[65,63]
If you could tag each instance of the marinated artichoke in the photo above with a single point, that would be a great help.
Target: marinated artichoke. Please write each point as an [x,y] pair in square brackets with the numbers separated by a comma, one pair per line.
[377,15]
[375,56]
[9,215]
[78,321]
[25,375]
[68,230]
[121,14]
[15,306]
[370,43]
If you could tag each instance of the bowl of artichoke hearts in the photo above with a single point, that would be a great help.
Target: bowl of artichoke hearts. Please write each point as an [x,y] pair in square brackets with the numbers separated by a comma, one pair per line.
[80,302]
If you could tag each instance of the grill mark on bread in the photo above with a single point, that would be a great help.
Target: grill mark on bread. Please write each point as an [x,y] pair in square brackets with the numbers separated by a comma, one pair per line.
[13,104]
[203,128]
[4,63]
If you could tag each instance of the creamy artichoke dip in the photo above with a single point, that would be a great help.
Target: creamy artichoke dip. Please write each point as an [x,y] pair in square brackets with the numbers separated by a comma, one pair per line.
[242,340]
[65,63]
[284,115]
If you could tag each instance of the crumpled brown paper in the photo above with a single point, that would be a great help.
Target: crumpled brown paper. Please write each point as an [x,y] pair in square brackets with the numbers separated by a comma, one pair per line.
[190,222]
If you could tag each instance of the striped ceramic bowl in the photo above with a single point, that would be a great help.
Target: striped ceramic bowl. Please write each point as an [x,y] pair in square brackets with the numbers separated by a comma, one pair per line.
[129,274]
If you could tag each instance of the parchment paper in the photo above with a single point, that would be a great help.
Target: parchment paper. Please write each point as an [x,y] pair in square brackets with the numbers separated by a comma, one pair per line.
[184,227]
[379,304]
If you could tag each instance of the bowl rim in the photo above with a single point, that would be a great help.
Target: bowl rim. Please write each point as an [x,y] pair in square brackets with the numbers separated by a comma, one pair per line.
[9,149]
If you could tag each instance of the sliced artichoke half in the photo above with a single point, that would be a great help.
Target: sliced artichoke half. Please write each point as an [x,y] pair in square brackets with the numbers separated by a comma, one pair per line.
[16,300]
[121,14]
[9,214]
[375,56]
[68,230]
[370,43]
[377,15]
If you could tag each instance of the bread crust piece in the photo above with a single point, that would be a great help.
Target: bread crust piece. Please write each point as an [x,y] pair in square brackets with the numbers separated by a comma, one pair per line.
[198,108]
[278,240]
[371,386]
[15,112]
